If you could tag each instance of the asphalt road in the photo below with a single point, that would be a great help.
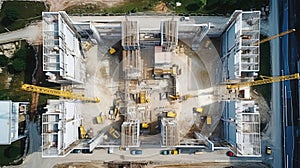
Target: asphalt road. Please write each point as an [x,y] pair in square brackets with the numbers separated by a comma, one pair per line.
[31,33]
[276,120]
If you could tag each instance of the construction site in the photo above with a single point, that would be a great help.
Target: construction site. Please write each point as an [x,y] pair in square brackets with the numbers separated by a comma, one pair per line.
[130,83]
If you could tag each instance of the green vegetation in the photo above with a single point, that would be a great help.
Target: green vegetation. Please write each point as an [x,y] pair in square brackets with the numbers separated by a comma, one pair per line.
[16,14]
[19,68]
[187,6]
[228,6]
[9,153]
[130,6]
[265,70]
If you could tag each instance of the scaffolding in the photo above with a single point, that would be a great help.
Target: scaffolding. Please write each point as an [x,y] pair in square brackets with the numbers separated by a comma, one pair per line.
[130,35]
[62,55]
[240,54]
[59,128]
[169,133]
[169,33]
[130,133]
[242,128]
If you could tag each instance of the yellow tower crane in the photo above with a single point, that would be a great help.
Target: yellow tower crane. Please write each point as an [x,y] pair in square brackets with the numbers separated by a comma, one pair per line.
[275,36]
[264,80]
[61,93]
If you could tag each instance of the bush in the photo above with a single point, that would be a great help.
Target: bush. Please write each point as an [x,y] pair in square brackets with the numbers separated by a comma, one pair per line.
[19,64]
[194,6]
[3,60]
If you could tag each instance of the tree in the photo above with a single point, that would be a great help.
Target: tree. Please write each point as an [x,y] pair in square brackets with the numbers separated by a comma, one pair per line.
[19,64]
[10,16]
[3,60]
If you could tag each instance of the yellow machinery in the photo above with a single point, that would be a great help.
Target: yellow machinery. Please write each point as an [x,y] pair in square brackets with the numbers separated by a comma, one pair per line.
[142,97]
[208,120]
[112,51]
[264,80]
[82,132]
[199,109]
[61,93]
[275,36]
[114,133]
[171,114]
[100,118]
[145,125]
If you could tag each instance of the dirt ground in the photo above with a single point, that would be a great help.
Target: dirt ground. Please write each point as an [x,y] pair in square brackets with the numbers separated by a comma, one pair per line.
[58,5]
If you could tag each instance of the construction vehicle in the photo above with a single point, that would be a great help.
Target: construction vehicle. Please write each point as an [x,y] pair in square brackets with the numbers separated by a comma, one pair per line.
[114,133]
[208,120]
[275,36]
[264,80]
[198,109]
[145,125]
[174,97]
[82,131]
[112,51]
[142,95]
[60,93]
[100,118]
[171,114]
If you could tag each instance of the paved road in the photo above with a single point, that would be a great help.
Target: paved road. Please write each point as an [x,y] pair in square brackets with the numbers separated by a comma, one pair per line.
[31,33]
[34,160]
[276,120]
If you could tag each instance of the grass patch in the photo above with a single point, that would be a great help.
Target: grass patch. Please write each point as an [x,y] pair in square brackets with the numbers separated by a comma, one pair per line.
[16,14]
[265,70]
[9,153]
[187,6]
[130,6]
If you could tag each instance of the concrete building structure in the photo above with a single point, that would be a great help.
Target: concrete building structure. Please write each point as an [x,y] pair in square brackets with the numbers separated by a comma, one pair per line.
[63,58]
[241,125]
[130,132]
[169,133]
[64,61]
[11,114]
[239,55]
[60,126]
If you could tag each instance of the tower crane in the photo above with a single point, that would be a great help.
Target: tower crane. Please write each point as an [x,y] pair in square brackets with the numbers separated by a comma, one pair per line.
[61,93]
[264,80]
[275,36]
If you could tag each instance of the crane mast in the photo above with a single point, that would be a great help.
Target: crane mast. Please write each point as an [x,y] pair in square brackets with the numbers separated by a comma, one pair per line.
[264,80]
[60,93]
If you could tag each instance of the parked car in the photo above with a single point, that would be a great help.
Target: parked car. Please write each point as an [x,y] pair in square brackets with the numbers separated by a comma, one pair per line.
[164,152]
[136,152]
[174,152]
[86,151]
[76,151]
[230,154]
[268,150]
